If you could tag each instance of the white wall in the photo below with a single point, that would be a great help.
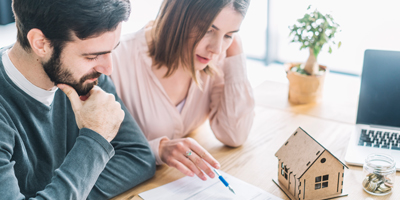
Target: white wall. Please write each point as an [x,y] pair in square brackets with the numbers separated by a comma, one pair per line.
[143,11]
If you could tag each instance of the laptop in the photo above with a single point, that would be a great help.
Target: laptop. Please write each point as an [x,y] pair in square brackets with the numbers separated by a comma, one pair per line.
[377,128]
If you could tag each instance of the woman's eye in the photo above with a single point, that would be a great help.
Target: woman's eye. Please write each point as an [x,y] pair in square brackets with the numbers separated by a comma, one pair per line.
[210,31]
[228,36]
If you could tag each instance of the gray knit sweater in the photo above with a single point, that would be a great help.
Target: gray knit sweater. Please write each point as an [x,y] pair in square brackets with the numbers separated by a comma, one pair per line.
[43,154]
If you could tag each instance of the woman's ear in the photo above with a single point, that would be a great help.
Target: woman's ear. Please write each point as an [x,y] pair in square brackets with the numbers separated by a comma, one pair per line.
[39,43]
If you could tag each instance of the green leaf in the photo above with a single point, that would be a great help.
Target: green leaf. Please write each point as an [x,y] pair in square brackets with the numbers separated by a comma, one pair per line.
[340,44]
[310,34]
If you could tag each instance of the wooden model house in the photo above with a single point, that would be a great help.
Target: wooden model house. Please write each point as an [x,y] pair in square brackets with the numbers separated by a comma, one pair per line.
[307,170]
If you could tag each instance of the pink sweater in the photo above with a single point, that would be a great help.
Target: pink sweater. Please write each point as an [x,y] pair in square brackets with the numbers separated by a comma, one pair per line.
[227,100]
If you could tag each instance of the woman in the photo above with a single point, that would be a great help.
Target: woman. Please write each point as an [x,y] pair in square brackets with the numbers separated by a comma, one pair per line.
[186,67]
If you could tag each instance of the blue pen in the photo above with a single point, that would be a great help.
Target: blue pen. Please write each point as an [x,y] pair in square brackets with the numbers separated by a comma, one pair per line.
[224,181]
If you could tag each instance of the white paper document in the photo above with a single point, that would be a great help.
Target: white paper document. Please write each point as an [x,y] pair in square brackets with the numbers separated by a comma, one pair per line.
[194,188]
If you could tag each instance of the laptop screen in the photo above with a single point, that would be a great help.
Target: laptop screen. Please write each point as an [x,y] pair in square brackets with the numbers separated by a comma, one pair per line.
[379,101]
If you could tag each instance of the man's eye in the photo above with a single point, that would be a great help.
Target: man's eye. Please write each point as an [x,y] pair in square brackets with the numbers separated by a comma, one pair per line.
[92,58]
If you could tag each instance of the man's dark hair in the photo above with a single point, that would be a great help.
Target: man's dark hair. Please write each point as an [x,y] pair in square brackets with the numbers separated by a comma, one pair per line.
[60,19]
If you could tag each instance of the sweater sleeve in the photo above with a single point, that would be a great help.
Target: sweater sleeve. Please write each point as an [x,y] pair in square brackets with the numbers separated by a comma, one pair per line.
[155,146]
[72,180]
[232,103]
[133,161]
[92,169]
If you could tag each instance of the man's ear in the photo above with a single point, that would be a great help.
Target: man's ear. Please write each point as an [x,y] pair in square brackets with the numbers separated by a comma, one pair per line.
[39,43]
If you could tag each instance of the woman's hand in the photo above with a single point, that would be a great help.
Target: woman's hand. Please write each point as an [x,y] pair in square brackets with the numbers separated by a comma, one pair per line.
[236,47]
[188,157]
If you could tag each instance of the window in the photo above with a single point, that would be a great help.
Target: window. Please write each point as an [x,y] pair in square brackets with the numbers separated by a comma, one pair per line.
[253,30]
[321,182]
[360,30]
[284,171]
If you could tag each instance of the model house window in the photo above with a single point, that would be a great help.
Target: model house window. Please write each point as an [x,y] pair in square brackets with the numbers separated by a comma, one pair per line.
[321,182]
[284,171]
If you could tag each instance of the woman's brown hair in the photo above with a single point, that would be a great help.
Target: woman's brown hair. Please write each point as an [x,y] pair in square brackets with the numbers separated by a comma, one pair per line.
[179,27]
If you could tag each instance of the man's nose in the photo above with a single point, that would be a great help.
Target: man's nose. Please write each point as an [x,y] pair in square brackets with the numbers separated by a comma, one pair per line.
[105,67]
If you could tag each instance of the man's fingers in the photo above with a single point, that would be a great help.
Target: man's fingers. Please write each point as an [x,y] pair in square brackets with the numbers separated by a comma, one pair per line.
[72,96]
[94,89]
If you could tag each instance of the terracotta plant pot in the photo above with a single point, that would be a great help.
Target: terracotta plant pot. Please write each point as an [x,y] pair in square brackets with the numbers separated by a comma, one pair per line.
[304,89]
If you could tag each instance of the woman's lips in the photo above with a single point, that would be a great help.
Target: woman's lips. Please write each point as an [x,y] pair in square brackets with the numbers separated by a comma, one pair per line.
[202,59]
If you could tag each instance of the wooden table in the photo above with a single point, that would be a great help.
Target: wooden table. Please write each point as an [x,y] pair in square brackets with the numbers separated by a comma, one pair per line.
[330,122]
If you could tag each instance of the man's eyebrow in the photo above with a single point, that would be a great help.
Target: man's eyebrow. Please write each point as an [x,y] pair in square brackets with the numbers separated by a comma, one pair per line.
[117,45]
[100,53]
[216,28]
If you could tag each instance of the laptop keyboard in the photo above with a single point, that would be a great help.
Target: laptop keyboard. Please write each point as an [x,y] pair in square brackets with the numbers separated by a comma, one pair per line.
[379,139]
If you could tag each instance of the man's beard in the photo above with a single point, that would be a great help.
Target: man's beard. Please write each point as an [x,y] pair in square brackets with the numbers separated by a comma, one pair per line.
[57,74]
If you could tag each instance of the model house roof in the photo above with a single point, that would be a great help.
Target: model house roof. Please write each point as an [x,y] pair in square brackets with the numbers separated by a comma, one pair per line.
[300,151]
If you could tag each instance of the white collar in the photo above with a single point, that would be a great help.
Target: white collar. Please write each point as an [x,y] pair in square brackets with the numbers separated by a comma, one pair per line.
[180,105]
[44,96]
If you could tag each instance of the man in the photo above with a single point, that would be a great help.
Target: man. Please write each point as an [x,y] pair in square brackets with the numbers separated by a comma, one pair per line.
[76,141]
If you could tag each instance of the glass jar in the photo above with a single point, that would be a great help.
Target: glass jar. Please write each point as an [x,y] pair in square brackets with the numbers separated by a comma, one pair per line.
[379,174]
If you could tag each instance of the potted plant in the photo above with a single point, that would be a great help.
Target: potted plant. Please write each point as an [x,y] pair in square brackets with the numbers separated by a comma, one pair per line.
[306,80]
